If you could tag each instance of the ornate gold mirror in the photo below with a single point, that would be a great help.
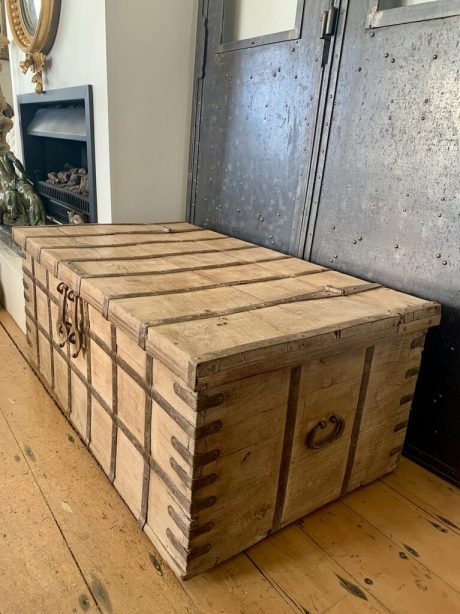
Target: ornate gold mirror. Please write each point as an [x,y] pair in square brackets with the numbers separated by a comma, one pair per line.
[34,25]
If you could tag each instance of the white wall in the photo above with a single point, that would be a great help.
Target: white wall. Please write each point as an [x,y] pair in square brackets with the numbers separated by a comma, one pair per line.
[78,57]
[151,52]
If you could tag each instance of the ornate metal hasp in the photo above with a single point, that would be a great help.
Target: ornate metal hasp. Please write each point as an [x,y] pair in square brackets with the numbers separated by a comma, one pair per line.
[62,327]
[72,331]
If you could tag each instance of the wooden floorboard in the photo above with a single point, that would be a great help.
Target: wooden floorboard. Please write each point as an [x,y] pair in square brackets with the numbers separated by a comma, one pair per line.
[423,537]
[427,491]
[381,567]
[69,543]
[27,524]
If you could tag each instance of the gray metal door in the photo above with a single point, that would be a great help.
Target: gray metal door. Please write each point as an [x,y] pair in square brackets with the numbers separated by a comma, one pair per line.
[258,106]
[389,192]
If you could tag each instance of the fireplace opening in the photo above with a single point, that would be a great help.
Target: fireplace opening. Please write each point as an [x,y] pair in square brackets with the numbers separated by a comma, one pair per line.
[57,138]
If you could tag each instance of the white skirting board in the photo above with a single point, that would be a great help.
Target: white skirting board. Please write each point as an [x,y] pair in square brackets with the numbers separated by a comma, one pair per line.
[11,288]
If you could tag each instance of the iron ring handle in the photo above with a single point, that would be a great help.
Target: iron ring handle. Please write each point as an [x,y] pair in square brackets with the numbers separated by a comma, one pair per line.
[316,444]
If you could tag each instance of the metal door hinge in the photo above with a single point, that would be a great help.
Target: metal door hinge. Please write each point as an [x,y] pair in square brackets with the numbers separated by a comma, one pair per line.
[329,23]
[328,30]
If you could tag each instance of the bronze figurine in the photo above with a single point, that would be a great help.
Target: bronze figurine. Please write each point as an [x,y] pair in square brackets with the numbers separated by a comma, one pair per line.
[19,202]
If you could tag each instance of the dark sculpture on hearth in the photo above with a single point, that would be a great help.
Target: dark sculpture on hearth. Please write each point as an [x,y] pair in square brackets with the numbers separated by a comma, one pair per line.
[19,202]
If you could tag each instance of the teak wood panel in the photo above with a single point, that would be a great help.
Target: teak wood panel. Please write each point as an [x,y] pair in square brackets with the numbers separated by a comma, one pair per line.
[327,387]
[64,230]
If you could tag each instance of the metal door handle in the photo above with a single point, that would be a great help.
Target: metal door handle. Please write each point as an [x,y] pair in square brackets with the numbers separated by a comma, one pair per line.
[316,444]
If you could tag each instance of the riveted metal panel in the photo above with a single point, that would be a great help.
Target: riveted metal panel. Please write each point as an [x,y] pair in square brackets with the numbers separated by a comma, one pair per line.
[389,206]
[257,118]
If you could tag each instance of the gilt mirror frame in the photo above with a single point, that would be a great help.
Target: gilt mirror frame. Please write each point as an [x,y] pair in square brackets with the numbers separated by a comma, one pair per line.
[37,44]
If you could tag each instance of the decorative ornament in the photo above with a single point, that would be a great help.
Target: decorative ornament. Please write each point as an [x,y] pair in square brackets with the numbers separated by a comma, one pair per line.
[36,63]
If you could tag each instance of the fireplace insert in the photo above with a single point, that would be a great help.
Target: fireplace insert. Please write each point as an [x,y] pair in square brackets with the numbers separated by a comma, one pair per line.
[58,148]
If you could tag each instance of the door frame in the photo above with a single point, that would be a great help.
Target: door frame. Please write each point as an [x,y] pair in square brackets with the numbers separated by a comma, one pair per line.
[197,96]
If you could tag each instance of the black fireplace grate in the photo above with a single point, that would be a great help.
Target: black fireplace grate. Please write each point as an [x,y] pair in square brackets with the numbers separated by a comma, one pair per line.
[56,213]
[66,197]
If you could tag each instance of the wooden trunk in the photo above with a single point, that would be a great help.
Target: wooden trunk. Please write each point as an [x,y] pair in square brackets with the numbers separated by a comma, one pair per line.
[225,389]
